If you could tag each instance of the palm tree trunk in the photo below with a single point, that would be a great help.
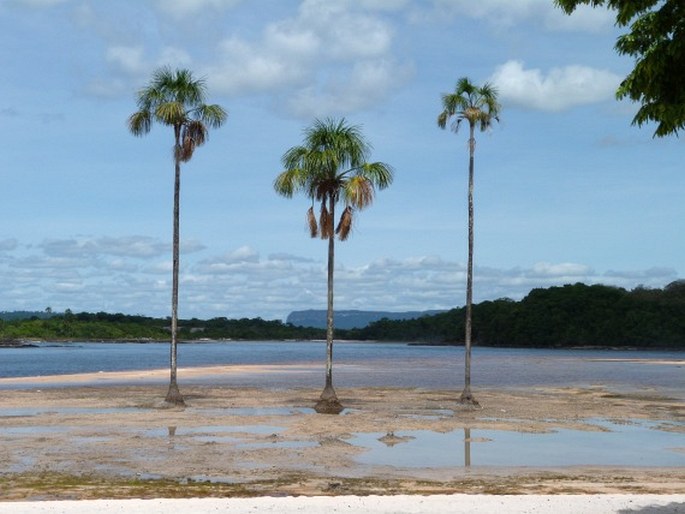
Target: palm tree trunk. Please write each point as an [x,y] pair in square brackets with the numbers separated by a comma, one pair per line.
[466,396]
[328,401]
[328,390]
[174,396]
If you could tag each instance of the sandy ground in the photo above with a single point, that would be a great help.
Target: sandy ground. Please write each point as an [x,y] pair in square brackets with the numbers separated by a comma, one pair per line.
[94,440]
[436,504]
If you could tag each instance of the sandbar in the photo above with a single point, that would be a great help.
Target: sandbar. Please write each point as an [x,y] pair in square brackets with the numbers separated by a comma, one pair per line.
[102,441]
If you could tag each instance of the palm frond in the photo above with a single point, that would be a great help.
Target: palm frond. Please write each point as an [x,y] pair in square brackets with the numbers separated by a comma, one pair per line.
[288,182]
[477,105]
[184,151]
[325,222]
[379,173]
[175,98]
[345,225]
[359,191]
[311,222]
[213,116]
[140,123]
[331,164]
[197,131]
[170,113]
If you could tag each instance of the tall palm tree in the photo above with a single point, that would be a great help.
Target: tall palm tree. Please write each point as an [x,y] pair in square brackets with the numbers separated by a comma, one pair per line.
[479,107]
[176,99]
[331,166]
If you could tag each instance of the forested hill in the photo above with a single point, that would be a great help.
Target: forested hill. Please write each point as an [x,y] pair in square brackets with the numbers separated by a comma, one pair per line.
[572,315]
[345,319]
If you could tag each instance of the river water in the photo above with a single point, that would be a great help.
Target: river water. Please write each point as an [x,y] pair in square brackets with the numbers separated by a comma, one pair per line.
[300,363]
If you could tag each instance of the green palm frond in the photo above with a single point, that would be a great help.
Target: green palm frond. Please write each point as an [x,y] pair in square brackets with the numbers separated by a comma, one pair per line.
[170,113]
[331,165]
[211,115]
[140,123]
[477,105]
[295,157]
[175,99]
[289,182]
[379,173]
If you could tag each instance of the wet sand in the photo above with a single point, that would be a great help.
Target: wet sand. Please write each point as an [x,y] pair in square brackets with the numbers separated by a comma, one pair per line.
[97,440]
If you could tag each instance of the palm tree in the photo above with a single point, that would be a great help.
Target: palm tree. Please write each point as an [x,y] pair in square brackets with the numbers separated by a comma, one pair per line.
[331,166]
[176,99]
[479,107]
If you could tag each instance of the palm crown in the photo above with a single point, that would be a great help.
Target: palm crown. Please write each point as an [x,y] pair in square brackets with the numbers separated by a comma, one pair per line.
[477,105]
[174,98]
[331,166]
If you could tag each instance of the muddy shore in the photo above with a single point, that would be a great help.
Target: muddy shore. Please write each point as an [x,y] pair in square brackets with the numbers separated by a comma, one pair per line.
[105,441]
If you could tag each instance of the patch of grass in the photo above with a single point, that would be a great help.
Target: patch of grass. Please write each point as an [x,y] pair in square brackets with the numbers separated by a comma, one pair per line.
[59,486]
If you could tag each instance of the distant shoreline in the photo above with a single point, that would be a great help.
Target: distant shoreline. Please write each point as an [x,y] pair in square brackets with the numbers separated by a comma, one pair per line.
[35,343]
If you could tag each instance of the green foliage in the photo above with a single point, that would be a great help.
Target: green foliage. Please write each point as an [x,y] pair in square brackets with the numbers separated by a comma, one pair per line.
[572,315]
[477,105]
[331,165]
[174,98]
[656,40]
[102,326]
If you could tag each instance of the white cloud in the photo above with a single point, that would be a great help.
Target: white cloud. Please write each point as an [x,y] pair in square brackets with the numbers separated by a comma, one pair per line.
[174,57]
[132,62]
[138,247]
[384,5]
[366,83]
[559,89]
[563,270]
[127,58]
[107,275]
[585,18]
[181,8]
[333,57]
[506,13]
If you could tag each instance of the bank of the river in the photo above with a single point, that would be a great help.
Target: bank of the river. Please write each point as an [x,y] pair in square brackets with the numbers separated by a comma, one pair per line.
[118,442]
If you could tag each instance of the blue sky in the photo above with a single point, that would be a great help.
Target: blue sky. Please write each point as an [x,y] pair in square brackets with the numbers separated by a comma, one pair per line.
[566,189]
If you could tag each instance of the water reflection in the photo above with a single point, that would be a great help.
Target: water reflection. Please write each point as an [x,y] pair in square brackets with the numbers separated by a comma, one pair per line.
[467,447]
[635,444]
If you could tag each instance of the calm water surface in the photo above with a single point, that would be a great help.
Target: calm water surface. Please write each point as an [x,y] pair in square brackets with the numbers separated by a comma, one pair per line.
[365,364]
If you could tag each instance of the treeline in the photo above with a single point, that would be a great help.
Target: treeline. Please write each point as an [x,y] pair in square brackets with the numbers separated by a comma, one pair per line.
[572,315]
[102,326]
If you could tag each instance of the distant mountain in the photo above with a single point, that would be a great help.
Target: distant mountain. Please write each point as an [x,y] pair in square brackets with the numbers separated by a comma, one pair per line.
[12,315]
[350,318]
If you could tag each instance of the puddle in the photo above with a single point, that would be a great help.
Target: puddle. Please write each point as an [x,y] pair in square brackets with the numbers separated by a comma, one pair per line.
[37,411]
[636,444]
[432,415]
[267,411]
[277,443]
[215,433]
[40,430]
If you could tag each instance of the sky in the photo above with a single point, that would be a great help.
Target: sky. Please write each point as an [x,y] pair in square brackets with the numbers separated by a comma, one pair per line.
[566,190]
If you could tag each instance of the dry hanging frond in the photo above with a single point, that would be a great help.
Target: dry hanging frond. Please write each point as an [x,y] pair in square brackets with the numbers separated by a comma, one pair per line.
[311,221]
[325,223]
[345,224]
[360,192]
[187,149]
